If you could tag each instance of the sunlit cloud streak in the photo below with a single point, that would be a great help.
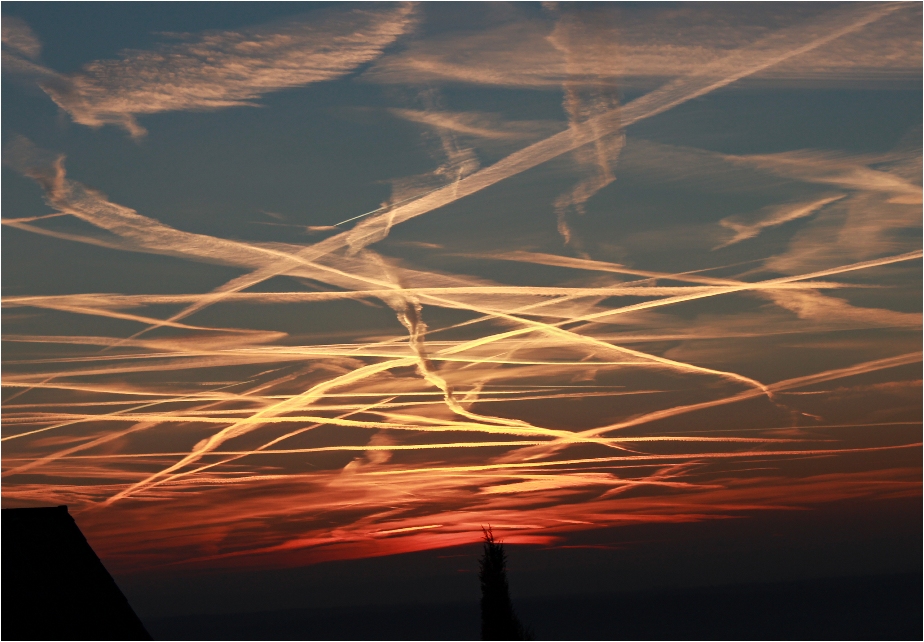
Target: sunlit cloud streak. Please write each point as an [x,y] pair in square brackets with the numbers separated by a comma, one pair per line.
[777,216]
[580,41]
[462,400]
[836,170]
[779,386]
[546,523]
[765,53]
[479,125]
[649,48]
[741,63]
[271,414]
[20,39]
[221,69]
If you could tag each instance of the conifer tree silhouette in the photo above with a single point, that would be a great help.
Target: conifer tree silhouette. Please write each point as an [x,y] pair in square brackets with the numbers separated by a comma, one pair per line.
[498,619]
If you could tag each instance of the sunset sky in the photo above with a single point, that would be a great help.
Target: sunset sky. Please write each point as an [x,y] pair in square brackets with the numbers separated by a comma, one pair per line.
[286,284]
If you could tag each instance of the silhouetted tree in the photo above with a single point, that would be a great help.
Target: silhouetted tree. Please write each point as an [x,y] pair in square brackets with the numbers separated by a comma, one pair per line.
[498,619]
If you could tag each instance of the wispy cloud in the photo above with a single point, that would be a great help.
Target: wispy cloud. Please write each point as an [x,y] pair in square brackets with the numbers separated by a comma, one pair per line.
[535,407]
[477,124]
[18,37]
[220,69]
[870,221]
[22,50]
[738,64]
[817,307]
[877,198]
[837,170]
[647,47]
[579,36]
[777,215]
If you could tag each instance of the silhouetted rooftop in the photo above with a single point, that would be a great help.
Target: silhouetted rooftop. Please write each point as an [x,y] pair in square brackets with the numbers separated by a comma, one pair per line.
[54,585]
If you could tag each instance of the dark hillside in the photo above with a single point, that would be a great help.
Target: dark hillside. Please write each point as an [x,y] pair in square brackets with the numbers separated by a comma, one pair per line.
[886,607]
[54,585]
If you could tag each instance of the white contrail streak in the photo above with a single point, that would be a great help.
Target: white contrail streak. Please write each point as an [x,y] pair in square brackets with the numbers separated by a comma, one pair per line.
[739,64]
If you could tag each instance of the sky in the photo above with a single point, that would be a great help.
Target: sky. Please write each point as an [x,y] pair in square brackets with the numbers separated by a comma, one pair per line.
[334,286]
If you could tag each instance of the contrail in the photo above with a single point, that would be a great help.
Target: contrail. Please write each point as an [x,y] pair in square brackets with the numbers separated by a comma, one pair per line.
[739,64]
[378,209]
[592,460]
[101,304]
[788,384]
[263,450]
[95,442]
[549,330]
[304,399]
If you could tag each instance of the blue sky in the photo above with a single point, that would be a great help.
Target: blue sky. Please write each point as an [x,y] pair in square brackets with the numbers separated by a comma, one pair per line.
[287,284]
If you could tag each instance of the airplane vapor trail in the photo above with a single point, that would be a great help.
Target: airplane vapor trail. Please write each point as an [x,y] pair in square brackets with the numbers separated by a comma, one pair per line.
[739,64]
[372,403]
[303,399]
[788,384]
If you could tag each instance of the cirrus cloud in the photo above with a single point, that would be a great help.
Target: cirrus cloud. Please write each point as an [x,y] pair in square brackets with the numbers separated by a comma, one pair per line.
[218,69]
